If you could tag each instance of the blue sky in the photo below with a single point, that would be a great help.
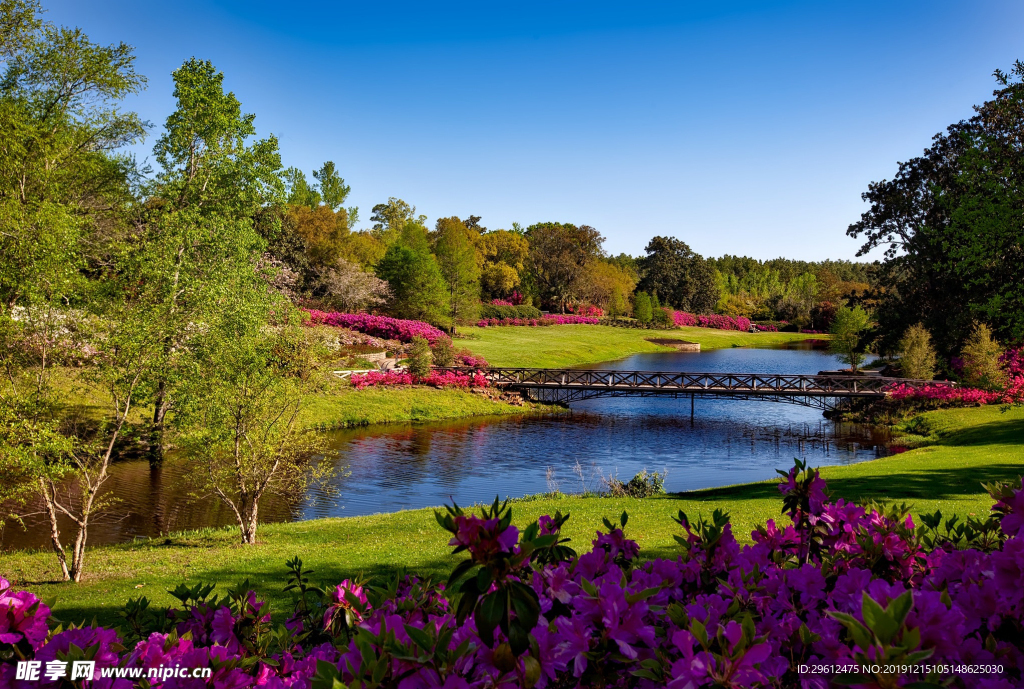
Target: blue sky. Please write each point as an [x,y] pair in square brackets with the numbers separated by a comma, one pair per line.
[745,128]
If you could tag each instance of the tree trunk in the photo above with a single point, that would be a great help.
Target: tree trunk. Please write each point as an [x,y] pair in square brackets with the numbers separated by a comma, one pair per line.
[51,512]
[248,520]
[156,433]
[78,555]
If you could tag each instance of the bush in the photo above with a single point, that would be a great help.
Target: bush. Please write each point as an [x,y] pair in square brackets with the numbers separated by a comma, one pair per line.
[917,357]
[643,485]
[662,318]
[442,352]
[980,355]
[839,584]
[508,311]
[642,309]
[378,326]
[419,357]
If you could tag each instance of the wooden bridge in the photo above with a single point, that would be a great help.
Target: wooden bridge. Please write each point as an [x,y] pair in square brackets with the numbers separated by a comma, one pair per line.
[567,385]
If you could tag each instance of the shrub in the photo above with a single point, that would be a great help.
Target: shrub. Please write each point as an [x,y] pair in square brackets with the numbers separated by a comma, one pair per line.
[442,352]
[643,485]
[981,366]
[502,311]
[419,357]
[642,309]
[917,357]
[661,317]
[377,326]
[939,604]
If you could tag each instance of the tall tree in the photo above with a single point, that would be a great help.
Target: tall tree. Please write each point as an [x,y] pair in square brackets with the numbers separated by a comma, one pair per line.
[559,255]
[456,257]
[300,191]
[389,219]
[678,276]
[198,237]
[952,224]
[418,290]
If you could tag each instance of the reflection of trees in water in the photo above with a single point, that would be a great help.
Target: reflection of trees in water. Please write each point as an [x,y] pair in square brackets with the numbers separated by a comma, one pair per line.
[151,501]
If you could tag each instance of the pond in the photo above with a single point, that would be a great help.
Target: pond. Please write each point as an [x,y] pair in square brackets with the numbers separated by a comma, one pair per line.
[411,466]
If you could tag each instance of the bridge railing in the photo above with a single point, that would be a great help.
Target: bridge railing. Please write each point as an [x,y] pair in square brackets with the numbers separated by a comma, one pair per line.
[710,383]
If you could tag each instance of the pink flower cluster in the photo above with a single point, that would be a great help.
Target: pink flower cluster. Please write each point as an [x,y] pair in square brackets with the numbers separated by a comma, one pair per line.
[1012,361]
[837,586]
[586,310]
[554,319]
[765,328]
[960,396]
[470,360]
[684,319]
[377,326]
[807,331]
[445,379]
[501,302]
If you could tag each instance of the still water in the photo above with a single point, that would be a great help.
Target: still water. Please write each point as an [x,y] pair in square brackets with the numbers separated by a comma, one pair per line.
[404,467]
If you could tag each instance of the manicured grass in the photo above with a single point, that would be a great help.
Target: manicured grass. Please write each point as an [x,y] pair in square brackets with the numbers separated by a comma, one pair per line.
[345,407]
[970,446]
[571,345]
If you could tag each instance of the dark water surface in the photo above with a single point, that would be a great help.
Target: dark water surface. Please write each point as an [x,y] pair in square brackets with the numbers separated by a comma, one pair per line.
[472,460]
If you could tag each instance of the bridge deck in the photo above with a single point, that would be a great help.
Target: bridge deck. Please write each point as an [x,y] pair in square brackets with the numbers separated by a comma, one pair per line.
[570,384]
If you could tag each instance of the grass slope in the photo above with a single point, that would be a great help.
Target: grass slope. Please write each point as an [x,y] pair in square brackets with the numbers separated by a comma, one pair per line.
[970,446]
[345,407]
[571,345]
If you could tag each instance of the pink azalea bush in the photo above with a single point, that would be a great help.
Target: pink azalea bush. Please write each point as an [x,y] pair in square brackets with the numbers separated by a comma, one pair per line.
[684,319]
[900,603]
[438,379]
[765,328]
[501,302]
[1012,362]
[586,310]
[378,326]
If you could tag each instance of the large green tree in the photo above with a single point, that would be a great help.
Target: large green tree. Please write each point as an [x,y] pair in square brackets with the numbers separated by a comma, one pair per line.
[455,251]
[560,254]
[952,225]
[678,276]
[418,289]
[197,241]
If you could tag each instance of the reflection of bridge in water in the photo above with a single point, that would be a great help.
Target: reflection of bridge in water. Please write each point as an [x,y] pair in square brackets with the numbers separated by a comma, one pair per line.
[822,391]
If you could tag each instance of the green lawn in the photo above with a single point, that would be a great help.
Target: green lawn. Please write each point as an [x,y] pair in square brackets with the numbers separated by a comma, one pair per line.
[571,345]
[970,446]
[345,407]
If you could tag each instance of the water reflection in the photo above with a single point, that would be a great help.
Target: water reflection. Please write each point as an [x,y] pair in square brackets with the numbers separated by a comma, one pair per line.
[472,460]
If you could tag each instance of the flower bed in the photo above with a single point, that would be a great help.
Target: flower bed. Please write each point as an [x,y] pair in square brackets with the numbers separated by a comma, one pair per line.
[684,319]
[764,328]
[960,396]
[837,586]
[446,379]
[538,322]
[377,326]
[586,310]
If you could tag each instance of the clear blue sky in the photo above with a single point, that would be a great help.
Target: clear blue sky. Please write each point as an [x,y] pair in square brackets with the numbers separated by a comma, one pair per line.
[746,128]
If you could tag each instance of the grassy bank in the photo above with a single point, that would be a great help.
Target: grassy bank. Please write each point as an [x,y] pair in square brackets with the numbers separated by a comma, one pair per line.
[346,407]
[968,446]
[572,345]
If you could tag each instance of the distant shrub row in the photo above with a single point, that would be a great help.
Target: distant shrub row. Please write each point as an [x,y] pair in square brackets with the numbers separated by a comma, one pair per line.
[509,311]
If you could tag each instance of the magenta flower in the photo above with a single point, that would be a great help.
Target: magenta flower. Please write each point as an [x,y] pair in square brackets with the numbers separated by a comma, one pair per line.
[22,616]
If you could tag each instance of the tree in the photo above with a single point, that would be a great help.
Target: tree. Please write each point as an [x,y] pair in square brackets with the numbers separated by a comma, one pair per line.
[504,255]
[300,192]
[559,255]
[952,222]
[389,219]
[418,290]
[239,419]
[63,190]
[678,276]
[419,357]
[917,356]
[197,238]
[846,331]
[349,288]
[642,310]
[981,360]
[456,257]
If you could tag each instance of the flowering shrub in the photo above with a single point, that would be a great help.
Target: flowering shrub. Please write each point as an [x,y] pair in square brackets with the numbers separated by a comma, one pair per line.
[683,319]
[939,604]
[377,326]
[1012,363]
[467,358]
[765,328]
[807,331]
[446,379]
[501,302]
[586,310]
[556,319]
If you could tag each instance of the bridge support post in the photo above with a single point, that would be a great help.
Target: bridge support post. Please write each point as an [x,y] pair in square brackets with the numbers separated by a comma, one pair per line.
[692,397]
